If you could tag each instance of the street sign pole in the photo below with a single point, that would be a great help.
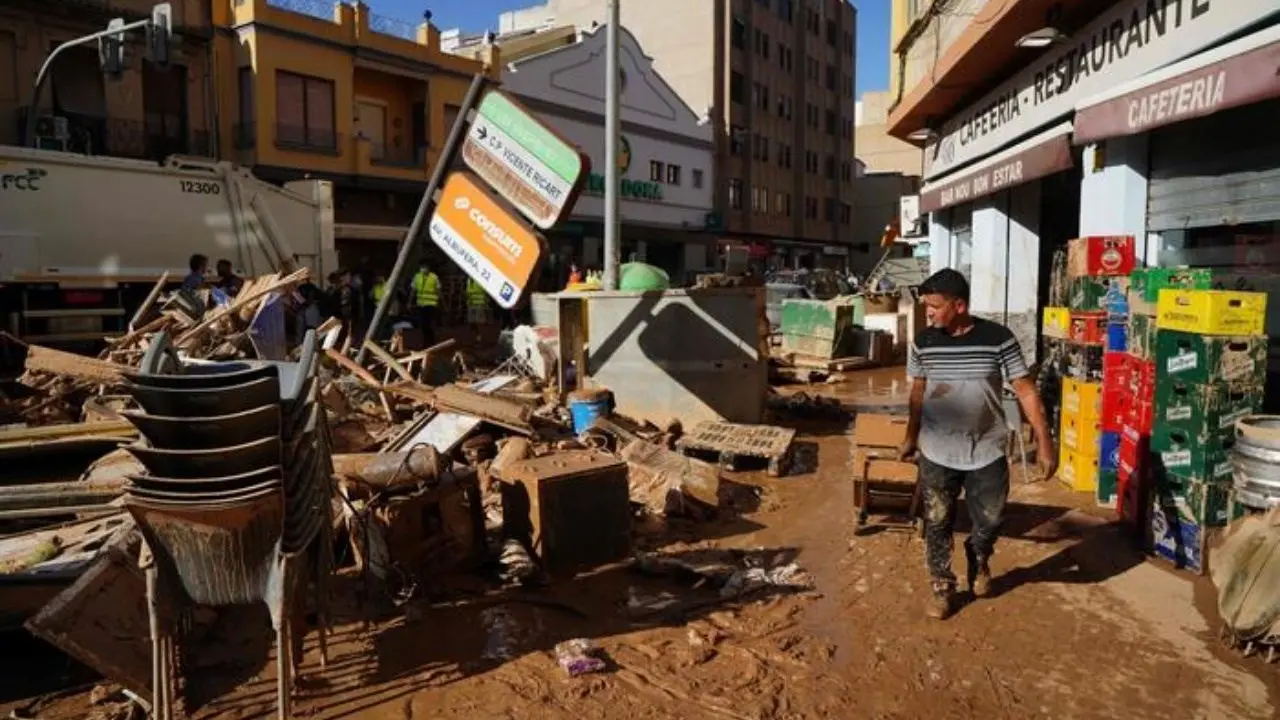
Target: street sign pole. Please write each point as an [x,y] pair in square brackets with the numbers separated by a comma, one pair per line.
[414,237]
[611,134]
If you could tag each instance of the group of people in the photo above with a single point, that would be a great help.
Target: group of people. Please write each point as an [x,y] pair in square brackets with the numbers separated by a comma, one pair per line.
[350,297]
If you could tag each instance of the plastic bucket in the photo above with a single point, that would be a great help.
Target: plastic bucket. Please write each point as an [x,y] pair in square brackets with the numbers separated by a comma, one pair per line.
[587,405]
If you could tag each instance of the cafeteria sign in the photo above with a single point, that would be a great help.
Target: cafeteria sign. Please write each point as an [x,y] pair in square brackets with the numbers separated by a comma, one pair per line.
[494,247]
[524,160]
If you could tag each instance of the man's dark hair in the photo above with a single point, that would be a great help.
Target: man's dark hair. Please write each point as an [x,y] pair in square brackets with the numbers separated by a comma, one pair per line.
[197,261]
[947,283]
[224,263]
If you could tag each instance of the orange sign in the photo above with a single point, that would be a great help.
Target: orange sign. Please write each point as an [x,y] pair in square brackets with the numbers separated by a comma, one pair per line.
[490,243]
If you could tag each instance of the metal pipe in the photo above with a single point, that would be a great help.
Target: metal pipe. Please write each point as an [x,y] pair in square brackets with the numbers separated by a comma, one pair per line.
[611,130]
[33,114]
[412,237]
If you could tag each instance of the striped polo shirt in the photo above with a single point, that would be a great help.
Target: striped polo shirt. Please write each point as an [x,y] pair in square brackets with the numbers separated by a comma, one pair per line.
[962,423]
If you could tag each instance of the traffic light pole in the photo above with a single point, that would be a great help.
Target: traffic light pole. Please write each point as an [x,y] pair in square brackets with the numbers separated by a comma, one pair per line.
[33,115]
[413,238]
[611,133]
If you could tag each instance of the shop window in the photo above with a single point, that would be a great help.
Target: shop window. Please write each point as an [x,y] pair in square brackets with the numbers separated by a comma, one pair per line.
[305,111]
[673,174]
[735,194]
[961,224]
[697,178]
[655,171]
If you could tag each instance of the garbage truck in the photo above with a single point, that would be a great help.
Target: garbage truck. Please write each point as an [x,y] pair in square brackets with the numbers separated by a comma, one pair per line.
[84,239]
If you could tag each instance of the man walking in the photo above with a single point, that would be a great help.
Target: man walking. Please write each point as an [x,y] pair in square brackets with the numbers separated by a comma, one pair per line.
[958,366]
[426,297]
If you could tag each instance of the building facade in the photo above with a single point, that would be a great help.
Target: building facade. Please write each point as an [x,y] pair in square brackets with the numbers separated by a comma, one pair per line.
[145,111]
[666,163]
[1139,118]
[336,92]
[775,77]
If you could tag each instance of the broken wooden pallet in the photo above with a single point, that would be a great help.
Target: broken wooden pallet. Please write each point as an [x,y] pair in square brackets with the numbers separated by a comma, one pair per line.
[731,442]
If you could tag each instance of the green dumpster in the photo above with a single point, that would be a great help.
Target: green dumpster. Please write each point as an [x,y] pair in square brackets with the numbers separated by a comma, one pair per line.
[822,329]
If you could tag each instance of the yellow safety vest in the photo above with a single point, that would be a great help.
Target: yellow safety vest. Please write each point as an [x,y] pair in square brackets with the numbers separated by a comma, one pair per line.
[379,290]
[476,296]
[426,288]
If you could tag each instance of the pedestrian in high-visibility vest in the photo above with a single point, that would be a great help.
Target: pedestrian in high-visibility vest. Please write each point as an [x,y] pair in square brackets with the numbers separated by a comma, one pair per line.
[477,306]
[426,298]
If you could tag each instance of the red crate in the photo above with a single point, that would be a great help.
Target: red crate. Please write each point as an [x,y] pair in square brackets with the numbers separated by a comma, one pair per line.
[1089,327]
[1116,367]
[1133,447]
[1133,491]
[1101,255]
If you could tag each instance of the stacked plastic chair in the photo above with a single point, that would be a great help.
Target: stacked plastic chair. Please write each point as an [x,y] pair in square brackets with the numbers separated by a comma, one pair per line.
[235,503]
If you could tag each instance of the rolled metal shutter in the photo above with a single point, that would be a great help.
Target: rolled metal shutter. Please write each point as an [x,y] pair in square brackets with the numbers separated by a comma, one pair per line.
[1220,170]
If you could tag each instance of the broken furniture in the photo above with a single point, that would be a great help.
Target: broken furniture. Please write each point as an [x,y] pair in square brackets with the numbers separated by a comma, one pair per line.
[572,507]
[230,519]
[885,488]
[730,443]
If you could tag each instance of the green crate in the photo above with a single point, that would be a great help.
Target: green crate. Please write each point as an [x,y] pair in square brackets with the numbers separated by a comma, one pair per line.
[1142,336]
[821,329]
[1197,359]
[1205,410]
[1145,284]
[1206,503]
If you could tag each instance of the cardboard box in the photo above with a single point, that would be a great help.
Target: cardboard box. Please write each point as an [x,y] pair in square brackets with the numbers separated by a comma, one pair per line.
[1192,358]
[879,430]
[1101,255]
[1145,285]
[1089,327]
[1056,323]
[1212,312]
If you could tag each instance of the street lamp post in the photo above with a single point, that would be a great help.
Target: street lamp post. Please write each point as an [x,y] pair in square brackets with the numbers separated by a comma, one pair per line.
[611,130]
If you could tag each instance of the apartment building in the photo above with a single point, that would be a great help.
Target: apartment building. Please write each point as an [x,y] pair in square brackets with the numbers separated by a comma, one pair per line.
[145,111]
[336,92]
[1043,121]
[776,79]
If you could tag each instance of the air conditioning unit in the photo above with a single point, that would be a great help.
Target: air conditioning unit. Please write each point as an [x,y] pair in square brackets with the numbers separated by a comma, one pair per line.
[53,127]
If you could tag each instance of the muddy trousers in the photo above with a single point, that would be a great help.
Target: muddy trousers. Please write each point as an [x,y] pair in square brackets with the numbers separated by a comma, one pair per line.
[985,492]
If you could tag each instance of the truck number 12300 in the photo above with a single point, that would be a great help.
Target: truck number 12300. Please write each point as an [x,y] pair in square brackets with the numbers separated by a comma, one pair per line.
[200,188]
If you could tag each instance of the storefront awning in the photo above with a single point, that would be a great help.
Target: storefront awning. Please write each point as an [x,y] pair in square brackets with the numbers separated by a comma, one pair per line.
[1034,158]
[1239,73]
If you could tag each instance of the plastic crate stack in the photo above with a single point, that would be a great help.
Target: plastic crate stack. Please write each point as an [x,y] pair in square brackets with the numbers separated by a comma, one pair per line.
[1096,321]
[1210,370]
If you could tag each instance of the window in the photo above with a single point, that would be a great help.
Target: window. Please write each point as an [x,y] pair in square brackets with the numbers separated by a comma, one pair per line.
[831,122]
[831,77]
[737,87]
[244,80]
[846,171]
[846,213]
[759,39]
[831,168]
[785,10]
[764,47]
[811,162]
[847,129]
[697,178]
[848,42]
[738,34]
[811,115]
[811,69]
[782,56]
[833,32]
[810,208]
[764,3]
[760,199]
[673,174]
[737,140]
[764,149]
[9,63]
[304,111]
[783,204]
[655,171]
[760,96]
[735,194]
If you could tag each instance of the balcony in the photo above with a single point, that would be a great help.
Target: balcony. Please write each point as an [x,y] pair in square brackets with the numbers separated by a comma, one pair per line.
[401,157]
[116,137]
[307,139]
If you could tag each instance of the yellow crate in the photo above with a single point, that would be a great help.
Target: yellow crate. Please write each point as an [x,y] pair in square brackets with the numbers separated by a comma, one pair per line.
[1078,471]
[1082,400]
[1056,323]
[1212,312]
[1081,435]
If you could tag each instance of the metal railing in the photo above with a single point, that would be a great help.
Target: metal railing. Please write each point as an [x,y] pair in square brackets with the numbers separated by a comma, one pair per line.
[116,137]
[306,138]
[317,9]
[393,27]
[392,156]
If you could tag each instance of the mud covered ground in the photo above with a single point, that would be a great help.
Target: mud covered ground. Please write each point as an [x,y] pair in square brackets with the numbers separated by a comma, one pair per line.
[1082,626]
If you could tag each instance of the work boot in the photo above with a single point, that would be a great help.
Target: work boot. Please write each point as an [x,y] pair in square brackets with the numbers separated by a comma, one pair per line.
[940,602]
[979,573]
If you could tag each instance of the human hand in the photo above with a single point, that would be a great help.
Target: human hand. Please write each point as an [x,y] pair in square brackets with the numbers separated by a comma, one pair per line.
[1047,459]
[907,451]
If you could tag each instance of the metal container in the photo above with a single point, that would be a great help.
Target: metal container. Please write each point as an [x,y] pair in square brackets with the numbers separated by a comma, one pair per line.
[1255,462]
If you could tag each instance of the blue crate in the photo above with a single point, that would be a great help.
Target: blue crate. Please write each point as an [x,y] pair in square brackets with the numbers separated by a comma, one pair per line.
[1109,452]
[1117,337]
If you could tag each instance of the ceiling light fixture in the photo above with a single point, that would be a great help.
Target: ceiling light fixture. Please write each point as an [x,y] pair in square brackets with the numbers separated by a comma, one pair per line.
[923,135]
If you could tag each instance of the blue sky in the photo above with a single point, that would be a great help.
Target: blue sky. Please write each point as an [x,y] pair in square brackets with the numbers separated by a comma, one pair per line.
[477,15]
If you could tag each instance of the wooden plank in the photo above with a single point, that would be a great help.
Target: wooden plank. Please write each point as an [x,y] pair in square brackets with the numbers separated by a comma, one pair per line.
[80,367]
[385,358]
[242,300]
[352,367]
[109,428]
[145,308]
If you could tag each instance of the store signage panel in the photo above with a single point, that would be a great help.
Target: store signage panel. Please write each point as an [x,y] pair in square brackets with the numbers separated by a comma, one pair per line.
[1247,78]
[493,246]
[1045,158]
[524,160]
[1127,41]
